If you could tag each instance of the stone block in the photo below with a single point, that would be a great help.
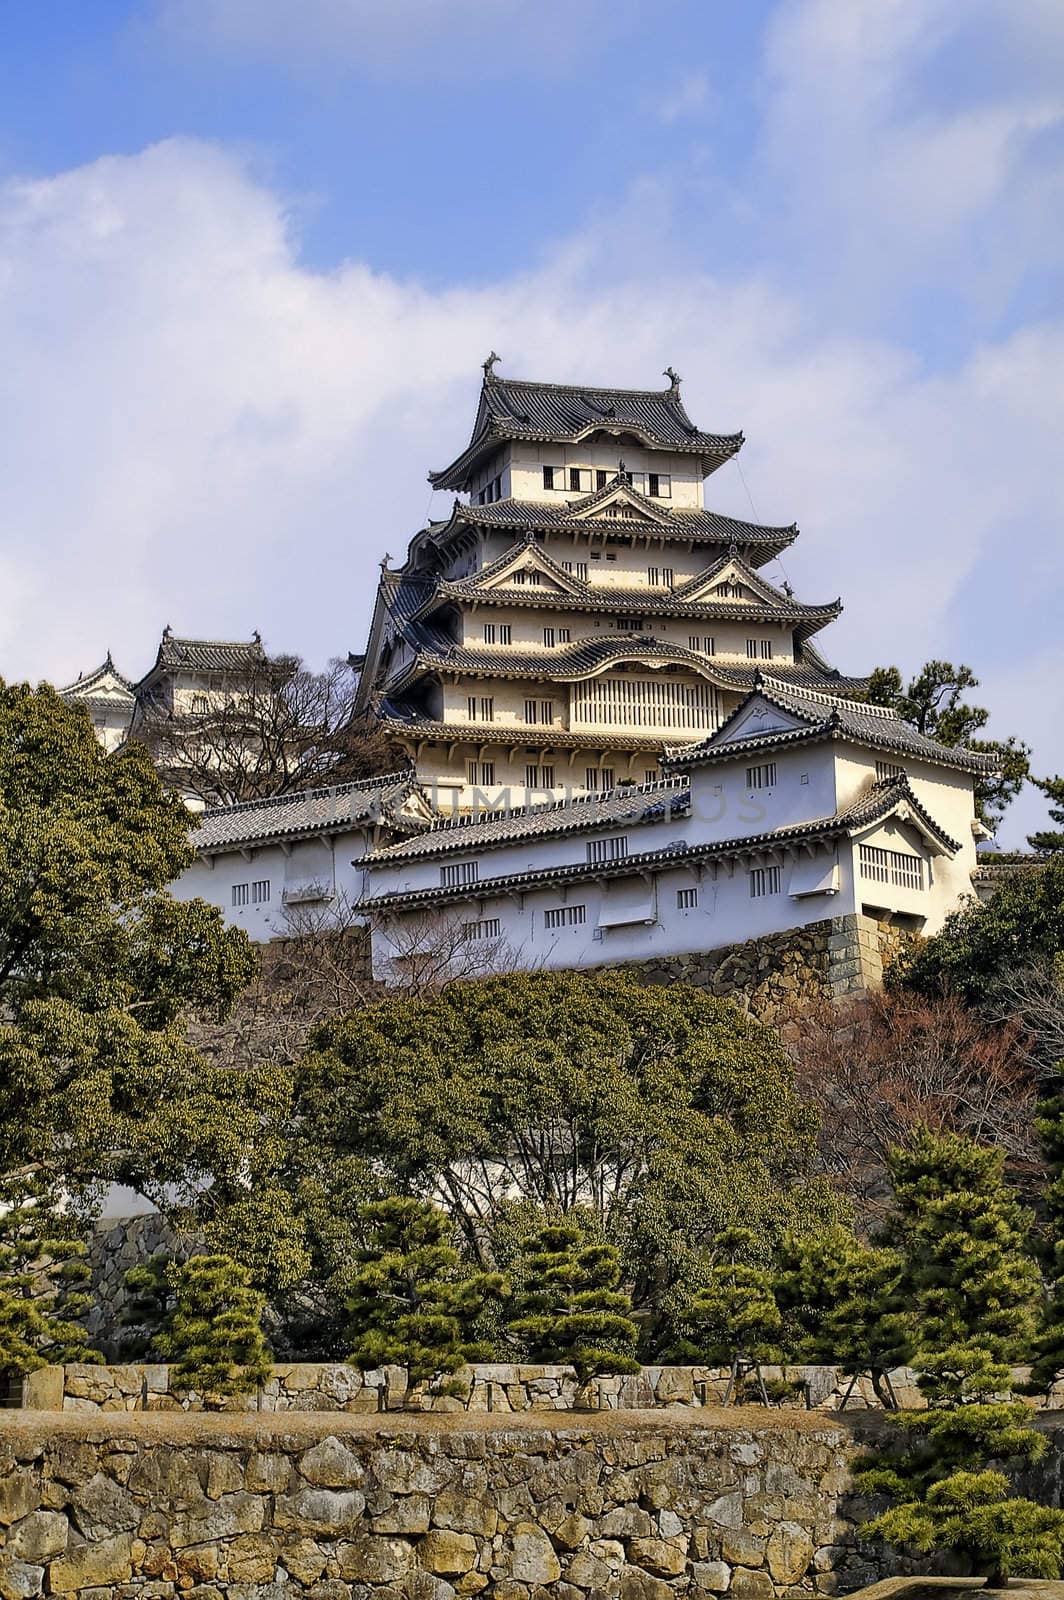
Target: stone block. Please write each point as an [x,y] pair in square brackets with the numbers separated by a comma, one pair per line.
[710,1577]
[751,1585]
[319,1511]
[444,1551]
[331,1465]
[789,1553]
[19,1580]
[103,1562]
[666,1557]
[375,1560]
[533,1558]
[39,1537]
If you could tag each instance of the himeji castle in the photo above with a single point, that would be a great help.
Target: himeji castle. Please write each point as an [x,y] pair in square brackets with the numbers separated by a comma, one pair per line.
[581,612]
[632,743]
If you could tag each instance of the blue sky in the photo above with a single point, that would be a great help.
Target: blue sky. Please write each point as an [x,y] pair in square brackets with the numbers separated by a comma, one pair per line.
[252,253]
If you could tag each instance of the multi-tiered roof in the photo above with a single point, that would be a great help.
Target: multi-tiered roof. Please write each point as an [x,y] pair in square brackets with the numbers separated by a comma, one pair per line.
[582,586]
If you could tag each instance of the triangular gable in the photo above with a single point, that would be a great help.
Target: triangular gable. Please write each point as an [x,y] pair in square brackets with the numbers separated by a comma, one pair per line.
[617,496]
[757,718]
[733,573]
[509,570]
[906,823]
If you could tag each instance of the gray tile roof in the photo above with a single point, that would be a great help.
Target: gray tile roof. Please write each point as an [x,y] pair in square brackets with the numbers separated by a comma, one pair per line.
[827,715]
[327,810]
[210,655]
[693,525]
[584,657]
[875,806]
[516,408]
[629,804]
[400,718]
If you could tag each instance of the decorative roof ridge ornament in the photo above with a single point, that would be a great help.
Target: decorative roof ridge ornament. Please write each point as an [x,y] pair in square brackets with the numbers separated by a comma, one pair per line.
[674,379]
[489,367]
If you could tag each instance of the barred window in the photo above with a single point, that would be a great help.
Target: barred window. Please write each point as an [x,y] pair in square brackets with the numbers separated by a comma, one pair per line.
[489,633]
[486,928]
[686,899]
[260,892]
[762,777]
[564,636]
[565,917]
[629,624]
[598,778]
[548,477]
[764,881]
[898,867]
[505,632]
[539,776]
[480,772]
[539,711]
[704,643]
[241,893]
[456,873]
[888,769]
[614,848]
[548,638]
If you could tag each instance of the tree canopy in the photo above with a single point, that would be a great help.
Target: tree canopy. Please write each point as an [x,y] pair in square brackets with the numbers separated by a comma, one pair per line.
[933,703]
[1020,927]
[100,968]
[663,1112]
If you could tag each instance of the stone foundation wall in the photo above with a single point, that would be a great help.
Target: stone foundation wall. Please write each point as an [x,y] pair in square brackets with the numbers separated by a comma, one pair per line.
[779,973]
[492,1388]
[114,1247]
[605,1508]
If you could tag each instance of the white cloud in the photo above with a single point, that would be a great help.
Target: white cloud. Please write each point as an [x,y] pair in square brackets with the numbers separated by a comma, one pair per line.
[895,168]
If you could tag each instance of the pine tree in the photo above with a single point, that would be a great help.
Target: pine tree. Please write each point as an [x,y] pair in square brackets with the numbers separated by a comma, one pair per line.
[42,1273]
[973,1287]
[148,1302]
[844,1305]
[412,1302]
[1050,841]
[1049,1341]
[214,1332]
[733,1318]
[568,1308]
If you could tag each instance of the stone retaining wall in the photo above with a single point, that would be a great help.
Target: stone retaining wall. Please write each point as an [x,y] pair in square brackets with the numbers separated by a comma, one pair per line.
[495,1389]
[775,975]
[608,1508]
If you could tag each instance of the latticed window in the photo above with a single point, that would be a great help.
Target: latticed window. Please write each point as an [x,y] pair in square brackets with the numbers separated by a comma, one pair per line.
[486,928]
[241,894]
[260,892]
[761,777]
[658,703]
[478,772]
[764,881]
[598,778]
[565,917]
[539,711]
[686,899]
[888,769]
[456,873]
[613,849]
[897,867]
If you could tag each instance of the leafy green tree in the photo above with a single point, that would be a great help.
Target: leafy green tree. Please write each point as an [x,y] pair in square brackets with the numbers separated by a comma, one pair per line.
[569,1308]
[100,968]
[665,1113]
[1021,926]
[844,1304]
[933,703]
[43,1271]
[733,1316]
[213,1334]
[1050,840]
[412,1301]
[973,1286]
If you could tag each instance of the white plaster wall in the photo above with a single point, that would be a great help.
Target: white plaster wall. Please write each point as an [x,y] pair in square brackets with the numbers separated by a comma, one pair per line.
[527,625]
[527,463]
[725,914]
[306,861]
